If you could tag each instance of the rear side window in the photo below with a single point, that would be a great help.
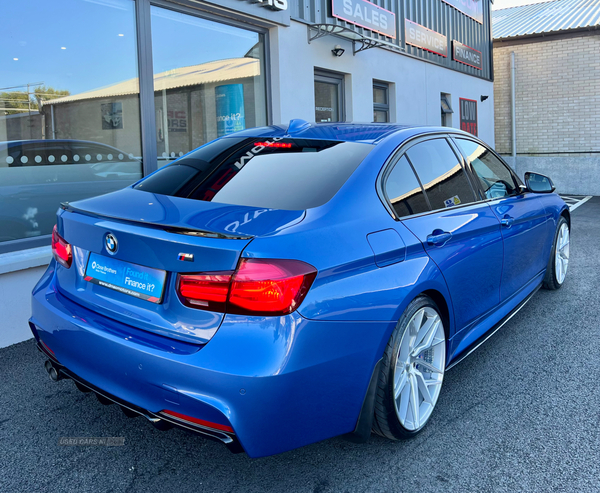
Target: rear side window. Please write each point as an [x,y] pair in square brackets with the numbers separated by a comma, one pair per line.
[404,191]
[496,180]
[292,174]
[441,174]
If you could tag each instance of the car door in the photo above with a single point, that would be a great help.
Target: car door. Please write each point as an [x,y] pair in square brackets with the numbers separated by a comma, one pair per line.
[526,227]
[459,232]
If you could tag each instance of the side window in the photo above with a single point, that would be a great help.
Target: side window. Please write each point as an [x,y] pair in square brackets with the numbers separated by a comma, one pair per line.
[403,190]
[441,174]
[497,181]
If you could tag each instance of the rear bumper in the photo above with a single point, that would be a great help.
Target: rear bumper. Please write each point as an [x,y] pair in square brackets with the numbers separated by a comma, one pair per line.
[160,420]
[278,382]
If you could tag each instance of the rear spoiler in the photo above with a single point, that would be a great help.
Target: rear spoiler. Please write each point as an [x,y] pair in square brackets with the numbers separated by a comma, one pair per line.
[66,206]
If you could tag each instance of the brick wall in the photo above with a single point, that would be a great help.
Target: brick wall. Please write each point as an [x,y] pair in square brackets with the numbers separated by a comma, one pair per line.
[557,93]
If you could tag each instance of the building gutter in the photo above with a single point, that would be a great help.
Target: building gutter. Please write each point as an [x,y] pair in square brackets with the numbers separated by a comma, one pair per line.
[513,108]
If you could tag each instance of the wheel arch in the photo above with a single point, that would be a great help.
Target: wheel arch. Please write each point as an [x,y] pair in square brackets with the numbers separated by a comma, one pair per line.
[442,304]
[566,213]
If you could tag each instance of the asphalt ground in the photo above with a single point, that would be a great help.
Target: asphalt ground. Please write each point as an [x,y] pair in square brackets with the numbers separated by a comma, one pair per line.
[520,414]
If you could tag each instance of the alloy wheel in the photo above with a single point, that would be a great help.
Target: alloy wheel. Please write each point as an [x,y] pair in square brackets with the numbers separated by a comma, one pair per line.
[419,369]
[561,258]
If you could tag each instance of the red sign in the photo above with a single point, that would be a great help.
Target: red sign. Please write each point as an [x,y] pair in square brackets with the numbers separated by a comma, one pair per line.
[468,115]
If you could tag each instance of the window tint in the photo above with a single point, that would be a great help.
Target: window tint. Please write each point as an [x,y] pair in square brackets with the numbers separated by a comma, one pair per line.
[293,174]
[496,180]
[403,190]
[441,174]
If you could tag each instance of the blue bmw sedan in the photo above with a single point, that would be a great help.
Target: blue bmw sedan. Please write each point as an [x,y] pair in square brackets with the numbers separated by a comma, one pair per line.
[287,284]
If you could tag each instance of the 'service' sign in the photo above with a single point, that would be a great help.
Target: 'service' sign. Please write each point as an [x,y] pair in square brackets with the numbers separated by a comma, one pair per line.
[425,38]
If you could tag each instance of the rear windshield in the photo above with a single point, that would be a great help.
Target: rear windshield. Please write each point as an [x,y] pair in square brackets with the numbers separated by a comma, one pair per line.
[292,174]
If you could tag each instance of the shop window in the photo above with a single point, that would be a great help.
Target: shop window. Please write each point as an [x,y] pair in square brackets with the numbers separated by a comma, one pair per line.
[329,97]
[381,102]
[209,81]
[446,110]
[69,110]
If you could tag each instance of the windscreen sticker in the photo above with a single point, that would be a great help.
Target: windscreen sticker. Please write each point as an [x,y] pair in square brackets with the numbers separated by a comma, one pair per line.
[452,201]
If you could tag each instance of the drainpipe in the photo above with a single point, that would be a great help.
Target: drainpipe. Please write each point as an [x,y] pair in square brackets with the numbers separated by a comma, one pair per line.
[52,121]
[513,108]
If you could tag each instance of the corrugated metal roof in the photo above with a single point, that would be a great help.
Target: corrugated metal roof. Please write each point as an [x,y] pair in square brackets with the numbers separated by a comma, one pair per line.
[205,73]
[546,17]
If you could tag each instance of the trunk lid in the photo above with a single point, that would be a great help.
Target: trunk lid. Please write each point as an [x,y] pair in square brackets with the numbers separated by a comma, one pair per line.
[153,231]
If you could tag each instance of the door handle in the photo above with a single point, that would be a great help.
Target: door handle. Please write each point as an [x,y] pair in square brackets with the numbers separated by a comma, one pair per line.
[438,237]
[507,221]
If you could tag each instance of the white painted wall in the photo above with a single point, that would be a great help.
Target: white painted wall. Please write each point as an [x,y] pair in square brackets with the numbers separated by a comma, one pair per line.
[418,84]
[15,304]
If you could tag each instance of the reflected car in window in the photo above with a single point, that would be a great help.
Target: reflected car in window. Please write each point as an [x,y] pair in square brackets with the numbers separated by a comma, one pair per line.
[283,285]
[37,175]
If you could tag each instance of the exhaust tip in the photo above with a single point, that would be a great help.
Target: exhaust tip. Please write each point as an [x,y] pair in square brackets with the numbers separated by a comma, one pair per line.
[52,371]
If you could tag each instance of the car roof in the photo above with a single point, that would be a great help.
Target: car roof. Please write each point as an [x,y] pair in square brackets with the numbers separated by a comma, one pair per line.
[368,133]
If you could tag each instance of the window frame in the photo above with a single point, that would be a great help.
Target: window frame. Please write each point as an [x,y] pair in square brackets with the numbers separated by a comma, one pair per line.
[379,106]
[401,151]
[330,77]
[475,178]
[145,71]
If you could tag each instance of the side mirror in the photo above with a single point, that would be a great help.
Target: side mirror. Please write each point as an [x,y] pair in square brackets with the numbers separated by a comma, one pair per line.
[538,183]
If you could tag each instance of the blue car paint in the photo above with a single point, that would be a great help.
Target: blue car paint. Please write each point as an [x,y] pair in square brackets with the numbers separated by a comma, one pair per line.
[281,382]
[527,242]
[470,261]
[388,247]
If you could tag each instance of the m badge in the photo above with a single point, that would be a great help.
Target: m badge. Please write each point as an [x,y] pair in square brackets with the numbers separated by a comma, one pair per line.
[186,257]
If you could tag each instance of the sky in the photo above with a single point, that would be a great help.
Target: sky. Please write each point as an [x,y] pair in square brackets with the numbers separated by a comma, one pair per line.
[80,45]
[504,4]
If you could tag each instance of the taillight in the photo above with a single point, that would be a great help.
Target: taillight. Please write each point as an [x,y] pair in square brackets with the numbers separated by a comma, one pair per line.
[61,249]
[269,287]
[257,287]
[207,291]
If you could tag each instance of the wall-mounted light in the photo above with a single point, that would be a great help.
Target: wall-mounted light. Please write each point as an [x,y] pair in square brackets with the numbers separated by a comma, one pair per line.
[483,98]
[338,50]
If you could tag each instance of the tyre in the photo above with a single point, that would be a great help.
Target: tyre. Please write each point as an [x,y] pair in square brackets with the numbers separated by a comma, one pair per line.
[412,371]
[559,257]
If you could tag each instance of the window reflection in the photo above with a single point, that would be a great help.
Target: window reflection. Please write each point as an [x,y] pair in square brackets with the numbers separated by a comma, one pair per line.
[441,174]
[213,87]
[496,180]
[69,108]
[404,191]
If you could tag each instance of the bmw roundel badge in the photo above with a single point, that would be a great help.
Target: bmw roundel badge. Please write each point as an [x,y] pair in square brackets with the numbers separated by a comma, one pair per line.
[111,243]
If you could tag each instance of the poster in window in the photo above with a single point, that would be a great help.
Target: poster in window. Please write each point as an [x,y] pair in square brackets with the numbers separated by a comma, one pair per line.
[468,115]
[231,116]
[112,116]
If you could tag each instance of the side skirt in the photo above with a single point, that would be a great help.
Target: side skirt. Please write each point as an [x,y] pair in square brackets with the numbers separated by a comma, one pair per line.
[495,329]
